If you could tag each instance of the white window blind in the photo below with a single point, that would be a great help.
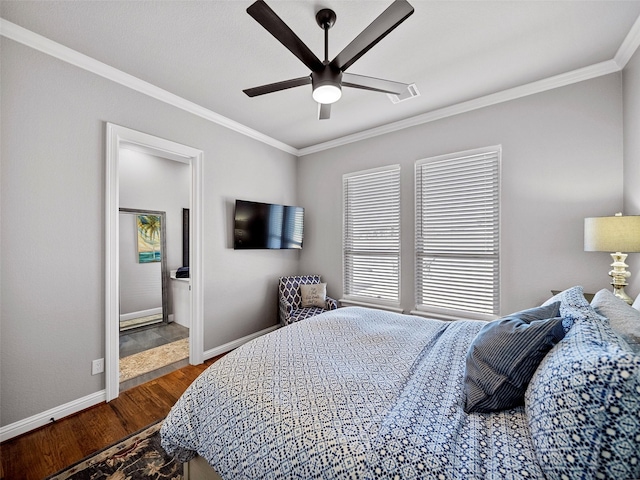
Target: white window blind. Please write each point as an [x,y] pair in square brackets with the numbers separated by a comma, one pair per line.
[458,233]
[371,235]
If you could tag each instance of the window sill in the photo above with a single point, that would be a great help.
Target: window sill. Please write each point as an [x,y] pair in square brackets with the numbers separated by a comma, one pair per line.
[454,316]
[354,303]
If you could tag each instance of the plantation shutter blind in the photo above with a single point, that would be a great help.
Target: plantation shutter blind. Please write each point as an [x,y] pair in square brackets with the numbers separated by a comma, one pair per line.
[371,235]
[458,233]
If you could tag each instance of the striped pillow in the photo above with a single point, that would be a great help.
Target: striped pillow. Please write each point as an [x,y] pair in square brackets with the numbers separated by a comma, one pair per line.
[504,355]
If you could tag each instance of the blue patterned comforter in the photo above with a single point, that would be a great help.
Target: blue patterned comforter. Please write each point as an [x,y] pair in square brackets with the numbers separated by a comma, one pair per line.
[352,393]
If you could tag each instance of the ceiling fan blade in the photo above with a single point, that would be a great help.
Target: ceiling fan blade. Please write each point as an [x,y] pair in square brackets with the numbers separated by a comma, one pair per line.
[266,17]
[276,87]
[324,111]
[373,84]
[393,16]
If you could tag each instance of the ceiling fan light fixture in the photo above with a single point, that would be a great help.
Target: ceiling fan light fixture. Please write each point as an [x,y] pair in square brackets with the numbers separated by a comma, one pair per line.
[328,93]
[327,87]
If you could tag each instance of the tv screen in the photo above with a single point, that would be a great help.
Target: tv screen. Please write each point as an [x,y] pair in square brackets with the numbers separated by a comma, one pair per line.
[265,225]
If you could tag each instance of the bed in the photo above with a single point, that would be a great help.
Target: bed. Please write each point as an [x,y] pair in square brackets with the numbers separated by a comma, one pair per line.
[362,393]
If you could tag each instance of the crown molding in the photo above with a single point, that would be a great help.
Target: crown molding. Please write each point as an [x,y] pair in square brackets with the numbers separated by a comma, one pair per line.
[579,75]
[629,45]
[38,42]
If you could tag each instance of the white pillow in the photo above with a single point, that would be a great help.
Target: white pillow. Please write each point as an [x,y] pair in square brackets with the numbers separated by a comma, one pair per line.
[624,319]
[314,295]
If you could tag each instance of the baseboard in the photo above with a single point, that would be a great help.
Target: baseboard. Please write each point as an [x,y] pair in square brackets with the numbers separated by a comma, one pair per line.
[227,347]
[141,313]
[23,426]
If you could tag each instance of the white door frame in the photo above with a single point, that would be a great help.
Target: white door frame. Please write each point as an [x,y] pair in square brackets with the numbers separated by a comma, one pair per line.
[116,138]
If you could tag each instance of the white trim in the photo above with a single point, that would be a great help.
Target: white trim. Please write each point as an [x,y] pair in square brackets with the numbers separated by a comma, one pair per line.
[112,267]
[629,45]
[370,171]
[450,318]
[36,421]
[49,47]
[227,347]
[121,137]
[575,76]
[379,306]
[196,235]
[141,313]
[45,45]
[465,153]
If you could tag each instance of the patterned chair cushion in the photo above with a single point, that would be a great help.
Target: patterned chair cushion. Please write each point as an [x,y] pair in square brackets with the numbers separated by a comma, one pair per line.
[582,403]
[307,312]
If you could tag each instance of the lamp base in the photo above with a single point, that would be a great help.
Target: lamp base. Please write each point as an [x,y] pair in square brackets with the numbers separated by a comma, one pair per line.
[619,275]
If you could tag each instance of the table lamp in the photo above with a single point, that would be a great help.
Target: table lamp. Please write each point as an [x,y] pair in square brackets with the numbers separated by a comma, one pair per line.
[614,234]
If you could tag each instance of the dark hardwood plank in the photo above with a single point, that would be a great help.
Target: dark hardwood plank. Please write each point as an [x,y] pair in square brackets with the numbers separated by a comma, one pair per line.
[42,452]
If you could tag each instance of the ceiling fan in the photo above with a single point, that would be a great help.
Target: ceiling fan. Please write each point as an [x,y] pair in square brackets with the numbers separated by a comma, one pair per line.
[328,77]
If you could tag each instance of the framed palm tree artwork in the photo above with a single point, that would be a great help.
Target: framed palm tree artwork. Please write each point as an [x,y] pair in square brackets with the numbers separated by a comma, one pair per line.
[149,227]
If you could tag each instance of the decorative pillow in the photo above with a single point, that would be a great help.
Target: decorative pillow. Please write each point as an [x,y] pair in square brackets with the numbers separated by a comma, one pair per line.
[313,295]
[582,406]
[573,306]
[624,319]
[504,355]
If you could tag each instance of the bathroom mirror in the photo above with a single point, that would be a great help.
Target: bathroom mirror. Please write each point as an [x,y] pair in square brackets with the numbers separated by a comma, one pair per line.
[143,268]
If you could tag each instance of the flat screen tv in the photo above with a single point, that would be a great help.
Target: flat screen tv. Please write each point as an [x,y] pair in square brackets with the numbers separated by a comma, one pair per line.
[267,226]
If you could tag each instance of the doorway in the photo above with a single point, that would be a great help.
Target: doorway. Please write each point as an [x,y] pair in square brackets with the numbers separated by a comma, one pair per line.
[121,140]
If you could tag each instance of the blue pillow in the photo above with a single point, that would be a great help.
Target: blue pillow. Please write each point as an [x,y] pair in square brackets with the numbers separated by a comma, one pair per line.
[583,405]
[504,355]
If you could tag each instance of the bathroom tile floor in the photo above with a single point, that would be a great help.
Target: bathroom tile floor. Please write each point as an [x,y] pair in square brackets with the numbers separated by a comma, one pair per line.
[144,338]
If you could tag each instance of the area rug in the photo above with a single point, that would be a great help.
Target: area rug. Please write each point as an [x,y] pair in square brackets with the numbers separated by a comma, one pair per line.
[138,456]
[152,359]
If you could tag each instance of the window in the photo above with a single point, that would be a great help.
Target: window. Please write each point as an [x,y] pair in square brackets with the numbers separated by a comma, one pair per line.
[371,236]
[458,234]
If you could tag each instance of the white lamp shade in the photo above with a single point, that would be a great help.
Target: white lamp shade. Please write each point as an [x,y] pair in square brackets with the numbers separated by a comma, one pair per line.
[612,234]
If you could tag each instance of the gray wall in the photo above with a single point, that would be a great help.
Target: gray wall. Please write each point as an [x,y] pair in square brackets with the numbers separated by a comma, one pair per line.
[631,83]
[561,162]
[52,238]
[154,183]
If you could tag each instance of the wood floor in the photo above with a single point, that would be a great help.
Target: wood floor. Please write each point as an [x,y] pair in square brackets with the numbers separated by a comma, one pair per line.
[38,454]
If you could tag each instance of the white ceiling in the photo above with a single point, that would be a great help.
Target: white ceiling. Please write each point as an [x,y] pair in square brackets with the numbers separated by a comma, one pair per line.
[207,52]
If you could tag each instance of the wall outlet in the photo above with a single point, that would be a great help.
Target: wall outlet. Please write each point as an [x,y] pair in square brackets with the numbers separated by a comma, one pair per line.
[97,366]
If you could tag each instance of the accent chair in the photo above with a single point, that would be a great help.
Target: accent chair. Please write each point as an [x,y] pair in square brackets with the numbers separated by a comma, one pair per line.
[290,299]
